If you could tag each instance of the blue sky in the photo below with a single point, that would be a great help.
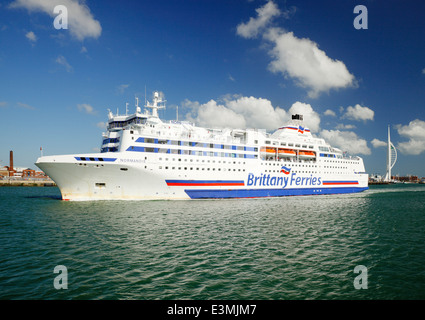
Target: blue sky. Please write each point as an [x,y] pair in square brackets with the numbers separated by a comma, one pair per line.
[241,63]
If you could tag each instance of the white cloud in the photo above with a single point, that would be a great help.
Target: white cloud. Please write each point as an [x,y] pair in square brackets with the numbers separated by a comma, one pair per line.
[121,88]
[345,126]
[211,114]
[31,36]
[83,49]
[299,59]
[102,125]
[258,112]
[329,112]
[415,132]
[359,113]
[86,108]
[302,60]
[61,60]
[346,141]
[376,143]
[248,112]
[237,112]
[3,104]
[264,16]
[423,71]
[81,22]
[25,106]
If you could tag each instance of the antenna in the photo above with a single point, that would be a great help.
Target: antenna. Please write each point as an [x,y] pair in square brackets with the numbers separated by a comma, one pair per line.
[126,108]
[158,103]
[138,110]
[177,111]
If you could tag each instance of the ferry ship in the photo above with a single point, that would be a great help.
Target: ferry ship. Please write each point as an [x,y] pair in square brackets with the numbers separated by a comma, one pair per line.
[145,158]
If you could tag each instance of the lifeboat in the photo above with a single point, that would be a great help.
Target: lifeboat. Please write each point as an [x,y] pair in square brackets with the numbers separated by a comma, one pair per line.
[286,153]
[268,151]
[306,154]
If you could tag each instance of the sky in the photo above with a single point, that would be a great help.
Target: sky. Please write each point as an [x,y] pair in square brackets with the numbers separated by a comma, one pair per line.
[351,71]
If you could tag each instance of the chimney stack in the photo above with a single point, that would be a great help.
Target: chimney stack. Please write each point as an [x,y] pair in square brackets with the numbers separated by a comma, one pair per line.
[11,171]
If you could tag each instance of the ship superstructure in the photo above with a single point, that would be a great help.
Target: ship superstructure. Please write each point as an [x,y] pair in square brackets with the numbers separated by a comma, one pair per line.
[143,157]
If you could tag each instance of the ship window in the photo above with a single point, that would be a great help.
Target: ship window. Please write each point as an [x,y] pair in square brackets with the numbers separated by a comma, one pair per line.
[124,169]
[100,185]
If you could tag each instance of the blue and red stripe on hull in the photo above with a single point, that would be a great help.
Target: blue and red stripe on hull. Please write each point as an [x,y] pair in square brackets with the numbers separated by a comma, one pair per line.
[339,183]
[265,193]
[206,183]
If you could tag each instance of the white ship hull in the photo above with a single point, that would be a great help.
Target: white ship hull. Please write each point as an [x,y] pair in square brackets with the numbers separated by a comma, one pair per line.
[134,179]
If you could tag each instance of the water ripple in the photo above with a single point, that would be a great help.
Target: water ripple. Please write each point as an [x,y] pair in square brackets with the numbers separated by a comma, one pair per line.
[289,248]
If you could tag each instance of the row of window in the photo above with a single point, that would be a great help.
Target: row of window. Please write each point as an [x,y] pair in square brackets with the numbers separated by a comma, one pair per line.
[192,152]
[219,146]
[289,144]
[342,161]
[196,144]
[199,168]
[198,160]
[109,149]
[110,140]
[328,155]
[122,124]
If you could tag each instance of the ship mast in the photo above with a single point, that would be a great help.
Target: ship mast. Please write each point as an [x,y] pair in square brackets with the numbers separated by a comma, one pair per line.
[156,104]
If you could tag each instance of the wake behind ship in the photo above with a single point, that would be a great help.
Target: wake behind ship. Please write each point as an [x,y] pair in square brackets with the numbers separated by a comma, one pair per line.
[145,158]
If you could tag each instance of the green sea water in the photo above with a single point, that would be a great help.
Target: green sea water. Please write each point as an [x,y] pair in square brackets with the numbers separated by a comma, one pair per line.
[279,249]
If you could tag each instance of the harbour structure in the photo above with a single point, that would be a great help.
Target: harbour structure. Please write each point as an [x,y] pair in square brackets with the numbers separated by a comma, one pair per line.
[145,158]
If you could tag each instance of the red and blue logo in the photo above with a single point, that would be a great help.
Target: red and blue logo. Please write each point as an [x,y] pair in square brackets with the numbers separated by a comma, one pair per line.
[285,170]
